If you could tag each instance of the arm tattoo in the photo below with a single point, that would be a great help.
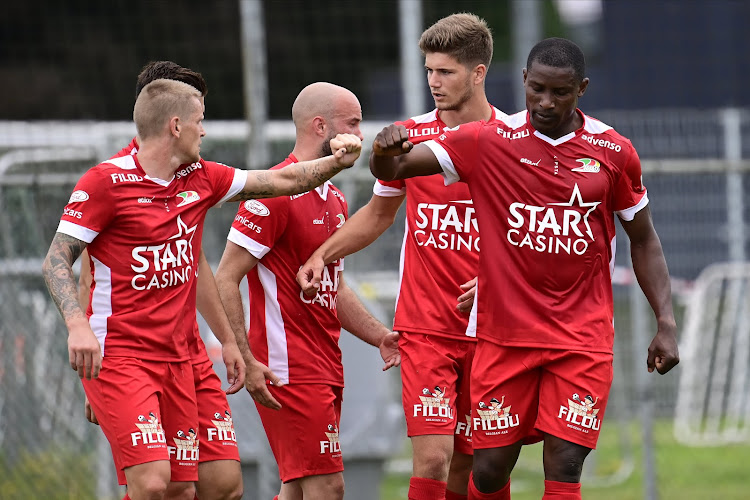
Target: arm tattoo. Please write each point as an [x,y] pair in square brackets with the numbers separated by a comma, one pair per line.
[58,273]
[301,177]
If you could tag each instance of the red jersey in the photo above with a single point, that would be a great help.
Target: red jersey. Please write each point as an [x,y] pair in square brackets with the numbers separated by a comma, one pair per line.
[144,236]
[295,335]
[441,243]
[195,342]
[549,241]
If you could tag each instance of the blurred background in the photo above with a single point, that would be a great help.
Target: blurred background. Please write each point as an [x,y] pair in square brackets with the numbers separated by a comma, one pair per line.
[670,75]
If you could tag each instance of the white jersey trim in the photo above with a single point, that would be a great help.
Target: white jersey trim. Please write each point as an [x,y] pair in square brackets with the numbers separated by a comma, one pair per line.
[238,184]
[278,352]
[594,126]
[101,301]
[450,175]
[471,327]
[428,117]
[514,121]
[253,247]
[629,213]
[387,191]
[76,231]
[124,162]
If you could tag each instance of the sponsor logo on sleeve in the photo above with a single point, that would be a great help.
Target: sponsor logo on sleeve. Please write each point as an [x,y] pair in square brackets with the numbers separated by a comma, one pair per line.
[342,219]
[257,208]
[78,196]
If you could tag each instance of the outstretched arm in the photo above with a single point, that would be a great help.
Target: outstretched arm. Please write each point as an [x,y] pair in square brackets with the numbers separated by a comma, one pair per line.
[650,269]
[302,176]
[359,231]
[358,321]
[394,157]
[235,264]
[84,351]
[210,307]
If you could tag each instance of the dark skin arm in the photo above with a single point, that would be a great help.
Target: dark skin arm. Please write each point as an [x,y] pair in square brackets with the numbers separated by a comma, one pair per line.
[650,269]
[394,157]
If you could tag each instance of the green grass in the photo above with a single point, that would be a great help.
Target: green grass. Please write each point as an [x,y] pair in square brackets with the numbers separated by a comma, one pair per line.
[682,472]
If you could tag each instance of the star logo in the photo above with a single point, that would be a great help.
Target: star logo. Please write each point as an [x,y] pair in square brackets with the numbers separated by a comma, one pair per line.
[578,200]
[183,231]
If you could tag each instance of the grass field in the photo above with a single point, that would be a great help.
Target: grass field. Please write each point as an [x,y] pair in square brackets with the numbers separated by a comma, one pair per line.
[684,473]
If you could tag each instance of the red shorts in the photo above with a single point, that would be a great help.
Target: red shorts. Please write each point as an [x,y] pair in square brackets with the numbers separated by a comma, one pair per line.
[435,373]
[216,430]
[304,433]
[147,410]
[519,392]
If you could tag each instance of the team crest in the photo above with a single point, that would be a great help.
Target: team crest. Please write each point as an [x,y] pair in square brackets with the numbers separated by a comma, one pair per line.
[587,165]
[187,197]
[434,404]
[332,444]
[581,414]
[342,219]
[494,417]
[223,429]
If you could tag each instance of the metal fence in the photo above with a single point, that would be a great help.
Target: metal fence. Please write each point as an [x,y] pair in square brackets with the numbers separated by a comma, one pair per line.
[695,167]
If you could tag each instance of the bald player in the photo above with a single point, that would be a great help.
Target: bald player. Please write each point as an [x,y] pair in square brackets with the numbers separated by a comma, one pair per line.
[293,338]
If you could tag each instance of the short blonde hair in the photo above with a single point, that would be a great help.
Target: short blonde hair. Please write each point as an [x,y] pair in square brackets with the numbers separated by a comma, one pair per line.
[158,102]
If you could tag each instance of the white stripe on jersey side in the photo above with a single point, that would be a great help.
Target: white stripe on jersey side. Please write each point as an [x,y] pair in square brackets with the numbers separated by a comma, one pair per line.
[387,191]
[450,175]
[278,354]
[425,118]
[238,184]
[471,328]
[629,213]
[401,262]
[256,249]
[613,246]
[76,231]
[101,301]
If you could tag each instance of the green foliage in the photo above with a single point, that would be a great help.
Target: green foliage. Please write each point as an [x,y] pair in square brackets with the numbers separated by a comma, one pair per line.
[51,474]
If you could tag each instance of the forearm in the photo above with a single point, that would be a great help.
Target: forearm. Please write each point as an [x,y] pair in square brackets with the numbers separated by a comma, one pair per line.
[355,318]
[210,306]
[296,178]
[57,271]
[384,168]
[231,299]
[650,268]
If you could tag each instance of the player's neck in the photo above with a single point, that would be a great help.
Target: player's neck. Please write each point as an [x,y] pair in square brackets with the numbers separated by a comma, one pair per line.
[304,151]
[157,160]
[475,109]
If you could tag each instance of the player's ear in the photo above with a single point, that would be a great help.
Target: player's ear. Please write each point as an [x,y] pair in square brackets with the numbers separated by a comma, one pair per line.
[479,73]
[174,126]
[583,86]
[319,126]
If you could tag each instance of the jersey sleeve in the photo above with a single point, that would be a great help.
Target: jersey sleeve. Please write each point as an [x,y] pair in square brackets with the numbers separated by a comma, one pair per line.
[227,181]
[259,224]
[90,208]
[389,189]
[457,151]
[630,194]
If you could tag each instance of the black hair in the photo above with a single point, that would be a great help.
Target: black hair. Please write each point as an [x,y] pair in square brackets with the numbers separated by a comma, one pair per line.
[559,53]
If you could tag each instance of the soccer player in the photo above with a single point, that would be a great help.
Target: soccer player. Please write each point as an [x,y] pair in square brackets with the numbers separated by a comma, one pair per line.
[141,217]
[293,336]
[440,258]
[219,472]
[546,184]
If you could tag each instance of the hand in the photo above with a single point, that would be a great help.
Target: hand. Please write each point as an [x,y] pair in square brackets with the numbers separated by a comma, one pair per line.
[230,353]
[255,383]
[393,140]
[389,350]
[84,351]
[310,274]
[662,353]
[89,412]
[346,149]
[466,300]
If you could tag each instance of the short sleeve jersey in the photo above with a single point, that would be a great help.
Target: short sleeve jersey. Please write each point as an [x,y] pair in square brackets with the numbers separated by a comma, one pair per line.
[295,335]
[548,243]
[198,351]
[440,251]
[143,236]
